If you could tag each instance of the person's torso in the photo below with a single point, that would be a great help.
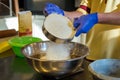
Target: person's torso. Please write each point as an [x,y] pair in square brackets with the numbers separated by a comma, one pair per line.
[104,40]
[104,6]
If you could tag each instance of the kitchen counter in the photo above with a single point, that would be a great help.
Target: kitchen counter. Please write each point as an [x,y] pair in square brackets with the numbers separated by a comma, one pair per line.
[16,68]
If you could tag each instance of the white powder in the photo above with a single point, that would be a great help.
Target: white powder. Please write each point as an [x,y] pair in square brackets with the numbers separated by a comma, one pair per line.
[61,27]
[58,26]
[58,52]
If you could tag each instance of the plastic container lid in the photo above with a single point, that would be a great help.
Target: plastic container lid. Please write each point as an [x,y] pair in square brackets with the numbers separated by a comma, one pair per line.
[24,40]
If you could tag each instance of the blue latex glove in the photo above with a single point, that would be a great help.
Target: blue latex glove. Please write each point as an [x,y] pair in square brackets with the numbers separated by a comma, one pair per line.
[52,8]
[84,23]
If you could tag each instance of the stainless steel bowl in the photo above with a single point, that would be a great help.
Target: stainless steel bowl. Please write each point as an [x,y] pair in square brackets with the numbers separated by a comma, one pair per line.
[54,67]
[105,69]
[58,29]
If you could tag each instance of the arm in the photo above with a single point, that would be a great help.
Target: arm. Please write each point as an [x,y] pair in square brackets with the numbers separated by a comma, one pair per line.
[53,8]
[109,18]
[73,14]
[84,23]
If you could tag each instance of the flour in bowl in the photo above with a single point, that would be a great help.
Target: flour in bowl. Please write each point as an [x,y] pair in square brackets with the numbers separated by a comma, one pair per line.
[58,52]
[59,26]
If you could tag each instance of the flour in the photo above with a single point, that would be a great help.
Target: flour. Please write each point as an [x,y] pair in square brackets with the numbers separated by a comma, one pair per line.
[58,26]
[58,52]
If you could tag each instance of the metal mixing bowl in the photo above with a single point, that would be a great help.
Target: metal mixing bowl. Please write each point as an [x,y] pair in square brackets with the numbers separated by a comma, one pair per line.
[105,69]
[54,67]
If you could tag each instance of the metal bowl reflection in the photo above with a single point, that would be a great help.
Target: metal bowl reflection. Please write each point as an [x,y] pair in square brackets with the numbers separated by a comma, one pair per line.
[33,53]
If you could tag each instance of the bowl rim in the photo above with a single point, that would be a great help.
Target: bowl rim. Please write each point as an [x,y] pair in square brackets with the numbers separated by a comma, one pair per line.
[101,76]
[81,57]
[31,39]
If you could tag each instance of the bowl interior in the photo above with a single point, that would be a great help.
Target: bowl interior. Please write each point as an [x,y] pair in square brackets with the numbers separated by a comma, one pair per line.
[58,31]
[38,50]
[106,68]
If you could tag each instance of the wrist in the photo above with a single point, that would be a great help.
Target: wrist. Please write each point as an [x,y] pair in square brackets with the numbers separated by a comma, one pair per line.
[72,15]
[100,17]
[95,17]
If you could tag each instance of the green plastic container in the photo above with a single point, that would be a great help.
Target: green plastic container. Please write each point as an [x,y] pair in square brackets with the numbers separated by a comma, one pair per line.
[18,42]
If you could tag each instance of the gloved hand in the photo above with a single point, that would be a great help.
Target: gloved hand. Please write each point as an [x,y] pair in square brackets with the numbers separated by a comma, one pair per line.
[52,8]
[84,23]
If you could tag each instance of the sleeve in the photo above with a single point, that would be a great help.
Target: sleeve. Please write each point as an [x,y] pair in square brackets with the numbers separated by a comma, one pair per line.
[84,6]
